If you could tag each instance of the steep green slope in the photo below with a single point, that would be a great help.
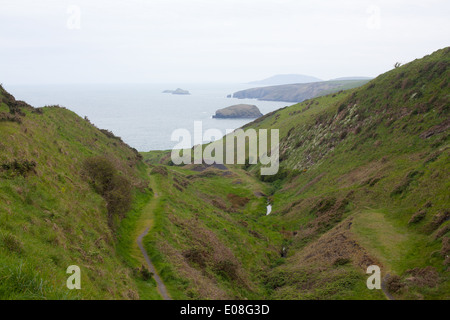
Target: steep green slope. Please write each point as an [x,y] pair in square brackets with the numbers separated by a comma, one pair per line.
[54,213]
[369,171]
[364,180]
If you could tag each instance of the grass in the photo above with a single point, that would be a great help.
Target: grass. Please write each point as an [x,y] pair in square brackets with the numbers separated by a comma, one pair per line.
[379,236]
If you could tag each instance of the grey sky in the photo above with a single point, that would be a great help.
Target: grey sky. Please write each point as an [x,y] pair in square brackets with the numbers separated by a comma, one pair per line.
[212,40]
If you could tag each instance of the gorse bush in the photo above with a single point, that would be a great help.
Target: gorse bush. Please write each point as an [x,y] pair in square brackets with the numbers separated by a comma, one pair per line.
[10,117]
[109,134]
[145,274]
[101,173]
[106,180]
[18,168]
[119,196]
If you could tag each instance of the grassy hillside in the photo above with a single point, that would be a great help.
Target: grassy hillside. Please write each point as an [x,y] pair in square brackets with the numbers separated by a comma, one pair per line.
[364,180]
[54,211]
[369,170]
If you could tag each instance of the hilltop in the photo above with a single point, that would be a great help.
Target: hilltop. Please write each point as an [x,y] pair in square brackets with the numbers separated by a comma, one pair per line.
[286,79]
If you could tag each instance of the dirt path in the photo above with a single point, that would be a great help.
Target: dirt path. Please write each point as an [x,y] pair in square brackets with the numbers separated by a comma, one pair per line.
[146,222]
[384,287]
[161,287]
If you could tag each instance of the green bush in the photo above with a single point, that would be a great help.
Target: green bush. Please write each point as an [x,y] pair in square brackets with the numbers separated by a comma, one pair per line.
[119,196]
[19,167]
[106,180]
[110,135]
[101,173]
[145,274]
[227,269]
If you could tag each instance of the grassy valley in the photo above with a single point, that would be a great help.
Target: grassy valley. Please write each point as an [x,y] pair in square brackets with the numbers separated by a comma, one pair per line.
[364,180]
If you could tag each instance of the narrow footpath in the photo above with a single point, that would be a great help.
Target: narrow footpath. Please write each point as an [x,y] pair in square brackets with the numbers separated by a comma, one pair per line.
[145,224]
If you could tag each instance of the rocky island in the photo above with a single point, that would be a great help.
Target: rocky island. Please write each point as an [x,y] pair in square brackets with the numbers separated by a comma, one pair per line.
[177,91]
[238,111]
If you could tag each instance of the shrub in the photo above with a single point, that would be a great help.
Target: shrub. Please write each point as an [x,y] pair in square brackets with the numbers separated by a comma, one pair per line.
[341,262]
[19,167]
[280,175]
[437,221]
[106,181]
[237,201]
[10,117]
[38,111]
[160,170]
[101,173]
[110,135]
[394,284]
[445,251]
[417,217]
[227,268]
[145,274]
[404,184]
[197,256]
[119,196]
[442,232]
[324,205]
[423,277]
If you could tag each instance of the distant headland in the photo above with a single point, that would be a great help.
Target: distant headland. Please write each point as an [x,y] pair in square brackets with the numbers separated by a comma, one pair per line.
[177,91]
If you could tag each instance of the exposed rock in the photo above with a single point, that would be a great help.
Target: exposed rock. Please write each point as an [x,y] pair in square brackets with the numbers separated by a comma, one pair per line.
[238,111]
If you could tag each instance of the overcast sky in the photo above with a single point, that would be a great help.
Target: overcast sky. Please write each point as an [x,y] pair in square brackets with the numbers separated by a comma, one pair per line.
[170,41]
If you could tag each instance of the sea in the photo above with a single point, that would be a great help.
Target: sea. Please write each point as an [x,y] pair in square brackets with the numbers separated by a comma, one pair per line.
[141,114]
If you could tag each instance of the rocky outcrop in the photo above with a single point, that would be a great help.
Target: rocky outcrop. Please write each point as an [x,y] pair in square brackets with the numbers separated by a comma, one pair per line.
[238,111]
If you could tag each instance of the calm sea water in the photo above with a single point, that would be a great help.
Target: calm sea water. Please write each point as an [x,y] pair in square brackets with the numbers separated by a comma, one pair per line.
[140,114]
